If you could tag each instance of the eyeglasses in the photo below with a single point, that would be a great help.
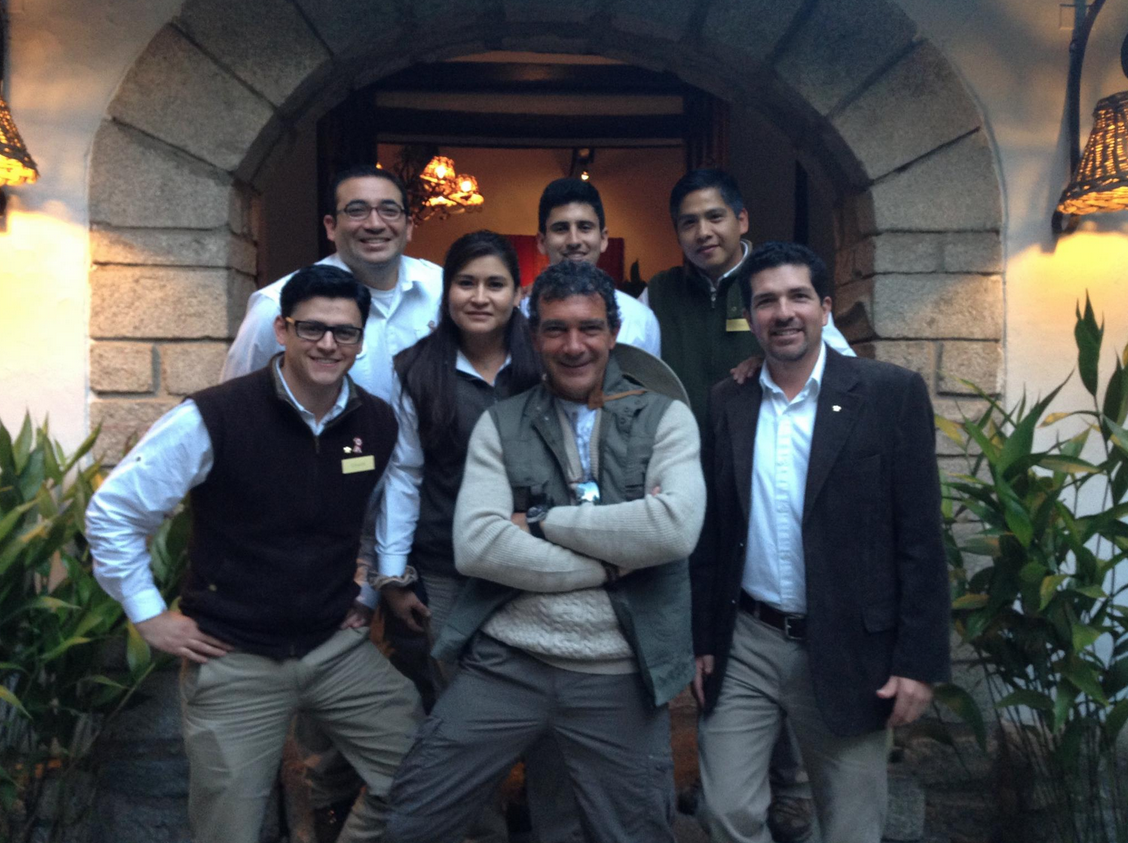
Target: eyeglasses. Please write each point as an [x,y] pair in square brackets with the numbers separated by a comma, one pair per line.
[359,210]
[314,331]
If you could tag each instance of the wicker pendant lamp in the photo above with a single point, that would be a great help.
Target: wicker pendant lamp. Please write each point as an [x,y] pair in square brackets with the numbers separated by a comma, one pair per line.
[16,163]
[1101,180]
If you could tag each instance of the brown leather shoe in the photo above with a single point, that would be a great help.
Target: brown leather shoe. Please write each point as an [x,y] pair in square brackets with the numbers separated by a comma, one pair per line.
[790,818]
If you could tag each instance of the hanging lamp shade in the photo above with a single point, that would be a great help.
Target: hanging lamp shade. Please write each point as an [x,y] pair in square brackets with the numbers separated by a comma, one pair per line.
[16,164]
[1101,180]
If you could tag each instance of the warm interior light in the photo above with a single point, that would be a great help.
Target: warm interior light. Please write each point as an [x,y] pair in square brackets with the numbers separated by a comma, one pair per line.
[438,169]
[1101,180]
[585,175]
[438,192]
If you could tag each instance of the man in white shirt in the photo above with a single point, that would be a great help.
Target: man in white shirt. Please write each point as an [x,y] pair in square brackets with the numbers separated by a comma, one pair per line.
[820,586]
[367,220]
[571,226]
[269,621]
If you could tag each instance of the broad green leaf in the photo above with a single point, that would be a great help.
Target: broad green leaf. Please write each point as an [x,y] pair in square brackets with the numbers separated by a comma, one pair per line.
[1115,721]
[1116,394]
[1084,636]
[1053,418]
[137,653]
[1033,572]
[58,650]
[1063,704]
[21,448]
[981,545]
[1084,678]
[1028,698]
[1049,588]
[1116,678]
[8,522]
[970,601]
[1094,591]
[950,429]
[53,603]
[1117,434]
[1068,465]
[961,703]
[14,701]
[1088,336]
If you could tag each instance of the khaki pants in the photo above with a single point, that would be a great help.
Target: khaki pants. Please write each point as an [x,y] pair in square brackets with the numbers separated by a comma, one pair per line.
[236,712]
[767,677]
[615,746]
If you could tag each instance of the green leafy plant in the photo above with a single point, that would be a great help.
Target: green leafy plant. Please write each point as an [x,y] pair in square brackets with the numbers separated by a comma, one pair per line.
[1046,616]
[57,626]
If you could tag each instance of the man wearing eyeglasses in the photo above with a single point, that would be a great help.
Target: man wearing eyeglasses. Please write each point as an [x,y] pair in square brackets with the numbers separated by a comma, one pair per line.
[279,465]
[366,219]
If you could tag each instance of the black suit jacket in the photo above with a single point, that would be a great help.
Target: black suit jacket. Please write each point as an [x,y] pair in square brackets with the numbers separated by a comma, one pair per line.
[876,574]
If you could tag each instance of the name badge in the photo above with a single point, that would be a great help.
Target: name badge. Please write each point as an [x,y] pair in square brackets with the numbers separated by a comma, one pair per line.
[353,465]
[737,325]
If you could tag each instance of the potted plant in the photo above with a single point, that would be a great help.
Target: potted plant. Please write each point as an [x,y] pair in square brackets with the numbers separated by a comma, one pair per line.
[1046,616]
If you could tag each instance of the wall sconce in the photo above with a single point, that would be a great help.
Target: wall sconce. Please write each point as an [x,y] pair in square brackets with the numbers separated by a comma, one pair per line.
[1099,176]
[16,164]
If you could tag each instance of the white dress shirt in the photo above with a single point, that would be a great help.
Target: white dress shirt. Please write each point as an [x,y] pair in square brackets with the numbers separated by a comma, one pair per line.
[638,326]
[774,569]
[398,319]
[582,420]
[172,458]
[395,525]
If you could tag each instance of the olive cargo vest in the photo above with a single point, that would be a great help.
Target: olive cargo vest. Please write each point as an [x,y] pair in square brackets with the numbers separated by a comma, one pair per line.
[652,605]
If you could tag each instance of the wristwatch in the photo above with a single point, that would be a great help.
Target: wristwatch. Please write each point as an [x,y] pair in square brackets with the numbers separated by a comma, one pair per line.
[533,517]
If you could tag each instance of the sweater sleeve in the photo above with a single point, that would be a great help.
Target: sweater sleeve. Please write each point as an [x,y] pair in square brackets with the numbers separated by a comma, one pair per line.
[656,528]
[488,545]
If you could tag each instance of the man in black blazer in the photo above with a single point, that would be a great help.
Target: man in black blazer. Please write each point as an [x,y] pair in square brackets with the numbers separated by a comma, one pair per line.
[820,583]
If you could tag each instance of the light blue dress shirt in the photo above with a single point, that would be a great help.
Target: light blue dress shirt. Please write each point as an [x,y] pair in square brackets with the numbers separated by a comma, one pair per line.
[774,569]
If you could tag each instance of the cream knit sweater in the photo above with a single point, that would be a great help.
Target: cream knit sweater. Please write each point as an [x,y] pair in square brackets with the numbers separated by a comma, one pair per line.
[565,616]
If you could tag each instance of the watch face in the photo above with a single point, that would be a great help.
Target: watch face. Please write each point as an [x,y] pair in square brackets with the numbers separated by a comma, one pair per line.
[536,512]
[586,492]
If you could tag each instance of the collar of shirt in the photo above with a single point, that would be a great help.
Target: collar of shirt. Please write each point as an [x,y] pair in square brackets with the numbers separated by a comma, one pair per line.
[746,248]
[308,417]
[462,364]
[582,419]
[810,388]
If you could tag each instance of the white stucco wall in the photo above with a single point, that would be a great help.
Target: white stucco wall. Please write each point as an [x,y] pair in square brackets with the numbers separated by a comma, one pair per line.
[1014,56]
[68,56]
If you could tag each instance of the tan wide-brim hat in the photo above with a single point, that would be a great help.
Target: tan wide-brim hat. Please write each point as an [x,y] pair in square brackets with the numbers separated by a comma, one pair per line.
[648,370]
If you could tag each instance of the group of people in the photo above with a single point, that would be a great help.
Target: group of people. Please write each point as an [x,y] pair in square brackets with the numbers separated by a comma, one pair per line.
[585,503]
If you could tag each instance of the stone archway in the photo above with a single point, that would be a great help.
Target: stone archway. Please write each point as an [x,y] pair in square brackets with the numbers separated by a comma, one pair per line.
[204,113]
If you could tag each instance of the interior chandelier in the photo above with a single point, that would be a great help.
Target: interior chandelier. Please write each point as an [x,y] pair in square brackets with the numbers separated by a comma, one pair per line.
[439,192]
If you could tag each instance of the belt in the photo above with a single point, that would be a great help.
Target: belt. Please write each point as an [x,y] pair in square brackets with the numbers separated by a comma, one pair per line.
[792,626]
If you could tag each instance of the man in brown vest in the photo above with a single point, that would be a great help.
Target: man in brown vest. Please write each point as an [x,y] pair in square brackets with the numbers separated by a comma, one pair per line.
[279,465]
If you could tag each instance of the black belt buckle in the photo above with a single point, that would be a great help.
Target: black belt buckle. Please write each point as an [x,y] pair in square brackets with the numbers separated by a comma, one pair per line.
[794,628]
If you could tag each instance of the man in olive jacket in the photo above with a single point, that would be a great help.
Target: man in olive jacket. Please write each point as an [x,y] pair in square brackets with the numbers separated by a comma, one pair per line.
[581,499]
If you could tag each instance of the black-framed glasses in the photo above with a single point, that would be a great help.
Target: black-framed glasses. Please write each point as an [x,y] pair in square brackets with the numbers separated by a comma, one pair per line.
[359,210]
[307,329]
